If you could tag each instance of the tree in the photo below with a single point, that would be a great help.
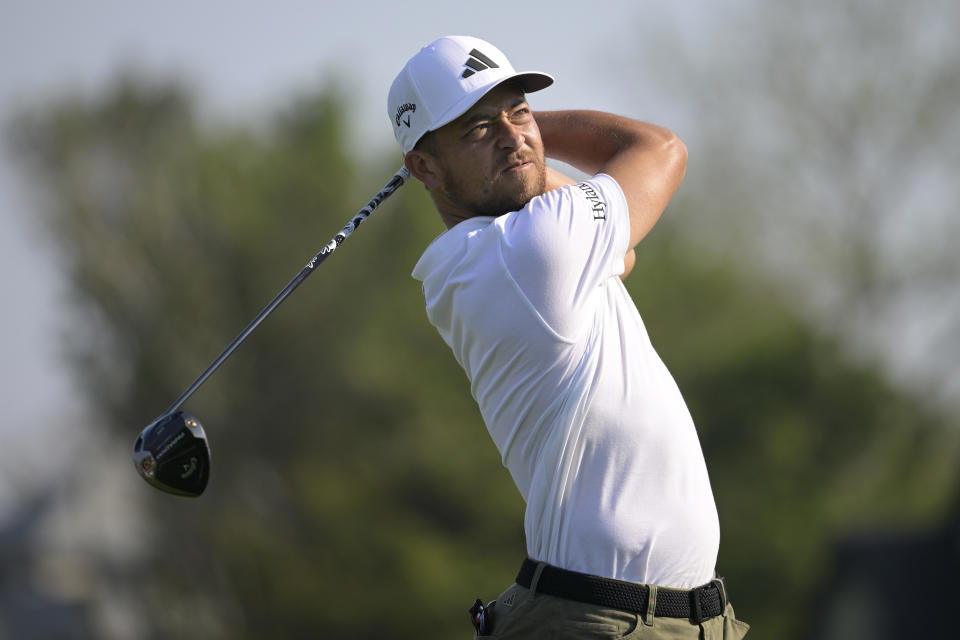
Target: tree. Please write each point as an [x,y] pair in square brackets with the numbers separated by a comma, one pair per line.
[823,147]
[355,493]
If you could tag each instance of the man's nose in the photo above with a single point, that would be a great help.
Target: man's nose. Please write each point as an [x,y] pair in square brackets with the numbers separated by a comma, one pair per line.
[510,136]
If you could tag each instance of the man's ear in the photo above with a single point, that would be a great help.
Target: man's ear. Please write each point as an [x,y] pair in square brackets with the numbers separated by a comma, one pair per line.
[424,167]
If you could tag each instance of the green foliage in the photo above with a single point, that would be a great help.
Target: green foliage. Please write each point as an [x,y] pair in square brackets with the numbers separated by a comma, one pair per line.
[801,443]
[355,493]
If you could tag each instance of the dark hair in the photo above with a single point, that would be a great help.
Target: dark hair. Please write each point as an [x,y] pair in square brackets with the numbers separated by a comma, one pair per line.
[427,142]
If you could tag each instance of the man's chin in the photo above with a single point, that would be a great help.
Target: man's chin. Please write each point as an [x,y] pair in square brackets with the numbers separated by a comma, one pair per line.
[510,192]
[511,202]
[521,187]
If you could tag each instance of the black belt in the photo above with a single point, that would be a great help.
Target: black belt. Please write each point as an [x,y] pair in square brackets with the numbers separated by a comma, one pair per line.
[697,604]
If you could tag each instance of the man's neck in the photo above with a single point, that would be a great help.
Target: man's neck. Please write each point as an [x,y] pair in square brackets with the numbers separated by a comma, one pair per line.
[450,213]
[451,220]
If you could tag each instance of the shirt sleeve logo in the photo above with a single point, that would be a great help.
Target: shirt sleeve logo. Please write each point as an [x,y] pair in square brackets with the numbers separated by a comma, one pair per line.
[597,206]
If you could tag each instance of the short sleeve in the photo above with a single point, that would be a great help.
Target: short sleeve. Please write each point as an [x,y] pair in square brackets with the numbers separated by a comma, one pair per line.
[564,246]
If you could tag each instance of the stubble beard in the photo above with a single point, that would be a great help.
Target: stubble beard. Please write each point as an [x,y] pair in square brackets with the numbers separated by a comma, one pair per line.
[498,195]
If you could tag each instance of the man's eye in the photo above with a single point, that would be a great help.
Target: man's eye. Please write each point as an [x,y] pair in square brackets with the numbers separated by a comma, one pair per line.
[478,131]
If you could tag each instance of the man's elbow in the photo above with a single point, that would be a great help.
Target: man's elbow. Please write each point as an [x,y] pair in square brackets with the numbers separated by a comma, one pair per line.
[676,152]
[670,151]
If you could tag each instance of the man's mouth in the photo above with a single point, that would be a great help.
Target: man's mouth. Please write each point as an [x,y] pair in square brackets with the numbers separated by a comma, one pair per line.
[518,165]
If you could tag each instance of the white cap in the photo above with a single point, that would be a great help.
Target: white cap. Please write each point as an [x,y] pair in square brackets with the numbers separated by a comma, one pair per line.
[444,79]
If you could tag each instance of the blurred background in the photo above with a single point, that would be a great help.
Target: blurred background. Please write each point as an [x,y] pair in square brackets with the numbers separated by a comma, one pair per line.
[165,168]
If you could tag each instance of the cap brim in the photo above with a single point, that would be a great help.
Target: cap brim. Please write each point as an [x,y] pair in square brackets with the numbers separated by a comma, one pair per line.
[529,81]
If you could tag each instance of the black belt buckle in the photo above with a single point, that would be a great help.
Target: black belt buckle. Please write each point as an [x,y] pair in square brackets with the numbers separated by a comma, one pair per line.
[697,614]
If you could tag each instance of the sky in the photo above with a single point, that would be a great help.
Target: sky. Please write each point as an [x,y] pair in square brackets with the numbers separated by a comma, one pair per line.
[244,60]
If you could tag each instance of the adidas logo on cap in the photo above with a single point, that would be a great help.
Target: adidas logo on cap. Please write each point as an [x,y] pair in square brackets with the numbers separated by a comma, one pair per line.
[477,62]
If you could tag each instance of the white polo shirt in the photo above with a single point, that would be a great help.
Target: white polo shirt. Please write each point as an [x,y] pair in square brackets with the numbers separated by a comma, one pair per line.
[586,417]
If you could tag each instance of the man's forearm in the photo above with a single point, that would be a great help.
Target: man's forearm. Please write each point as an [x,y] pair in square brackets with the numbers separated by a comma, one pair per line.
[588,140]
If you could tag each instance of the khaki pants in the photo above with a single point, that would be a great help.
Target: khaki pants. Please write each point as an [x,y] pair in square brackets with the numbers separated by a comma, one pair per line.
[521,613]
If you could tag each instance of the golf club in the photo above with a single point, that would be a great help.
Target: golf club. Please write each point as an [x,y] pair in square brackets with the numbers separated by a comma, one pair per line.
[172,453]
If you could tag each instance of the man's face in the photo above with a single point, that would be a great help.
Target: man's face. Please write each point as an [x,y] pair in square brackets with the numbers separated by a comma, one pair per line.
[491,158]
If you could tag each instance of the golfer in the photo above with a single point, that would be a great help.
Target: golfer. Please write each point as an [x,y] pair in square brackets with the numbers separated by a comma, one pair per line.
[525,287]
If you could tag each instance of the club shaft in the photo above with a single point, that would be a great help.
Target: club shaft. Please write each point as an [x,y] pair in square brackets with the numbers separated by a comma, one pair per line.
[399,178]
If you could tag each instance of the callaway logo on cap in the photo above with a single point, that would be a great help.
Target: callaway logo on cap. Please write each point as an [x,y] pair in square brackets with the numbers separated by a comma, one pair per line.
[444,79]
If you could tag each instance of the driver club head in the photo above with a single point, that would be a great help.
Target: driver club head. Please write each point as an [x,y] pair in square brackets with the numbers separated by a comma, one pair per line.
[172,454]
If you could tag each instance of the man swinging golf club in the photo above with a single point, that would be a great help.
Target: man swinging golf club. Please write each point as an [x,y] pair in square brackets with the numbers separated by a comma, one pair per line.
[525,287]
